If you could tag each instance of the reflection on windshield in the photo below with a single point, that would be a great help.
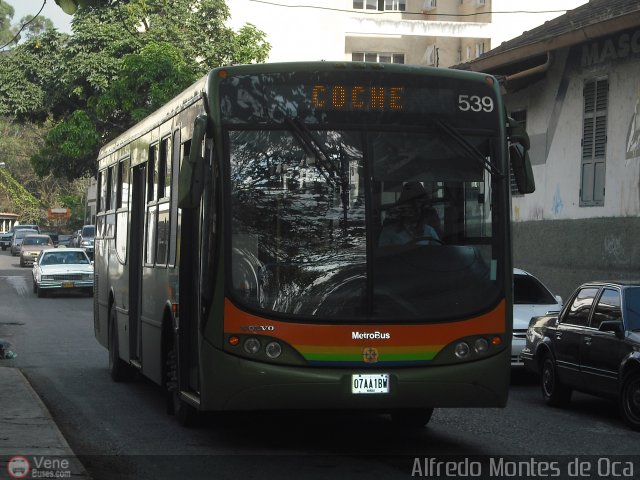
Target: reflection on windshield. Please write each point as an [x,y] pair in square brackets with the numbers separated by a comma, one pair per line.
[304,224]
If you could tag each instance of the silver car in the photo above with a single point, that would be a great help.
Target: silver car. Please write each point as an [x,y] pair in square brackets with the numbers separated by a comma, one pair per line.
[18,237]
[32,245]
[531,298]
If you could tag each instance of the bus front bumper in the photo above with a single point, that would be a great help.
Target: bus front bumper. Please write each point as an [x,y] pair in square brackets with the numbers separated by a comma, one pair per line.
[235,383]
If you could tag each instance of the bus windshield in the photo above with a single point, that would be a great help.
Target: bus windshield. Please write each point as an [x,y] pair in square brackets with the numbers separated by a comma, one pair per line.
[362,225]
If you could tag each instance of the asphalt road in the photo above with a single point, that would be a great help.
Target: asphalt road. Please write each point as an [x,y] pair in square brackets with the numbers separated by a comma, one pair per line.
[122,431]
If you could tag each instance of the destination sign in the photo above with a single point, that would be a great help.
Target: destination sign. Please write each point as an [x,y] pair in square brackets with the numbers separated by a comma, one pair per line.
[358,97]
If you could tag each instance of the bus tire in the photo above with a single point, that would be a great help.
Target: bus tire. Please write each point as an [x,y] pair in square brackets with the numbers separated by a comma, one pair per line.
[186,414]
[412,417]
[118,369]
[554,392]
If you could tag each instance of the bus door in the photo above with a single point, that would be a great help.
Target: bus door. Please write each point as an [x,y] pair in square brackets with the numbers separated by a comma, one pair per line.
[190,287]
[136,236]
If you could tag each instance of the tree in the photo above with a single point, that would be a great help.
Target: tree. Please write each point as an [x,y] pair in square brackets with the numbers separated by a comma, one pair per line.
[120,64]
[6,14]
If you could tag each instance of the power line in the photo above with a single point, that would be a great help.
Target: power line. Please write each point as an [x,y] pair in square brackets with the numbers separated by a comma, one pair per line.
[377,12]
[15,37]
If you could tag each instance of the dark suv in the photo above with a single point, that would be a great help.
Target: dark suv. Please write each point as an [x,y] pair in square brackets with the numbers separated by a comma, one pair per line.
[5,238]
[592,346]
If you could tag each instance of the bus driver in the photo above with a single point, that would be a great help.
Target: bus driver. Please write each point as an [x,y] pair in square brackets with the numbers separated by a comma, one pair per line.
[408,221]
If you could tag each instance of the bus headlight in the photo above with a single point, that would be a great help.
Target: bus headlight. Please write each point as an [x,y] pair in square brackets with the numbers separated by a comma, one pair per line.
[273,350]
[481,345]
[251,345]
[462,350]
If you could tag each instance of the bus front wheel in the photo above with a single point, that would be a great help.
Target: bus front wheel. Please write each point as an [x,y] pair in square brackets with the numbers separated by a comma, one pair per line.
[412,417]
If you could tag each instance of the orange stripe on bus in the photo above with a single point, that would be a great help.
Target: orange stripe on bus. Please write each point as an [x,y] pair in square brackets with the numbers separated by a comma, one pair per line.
[239,321]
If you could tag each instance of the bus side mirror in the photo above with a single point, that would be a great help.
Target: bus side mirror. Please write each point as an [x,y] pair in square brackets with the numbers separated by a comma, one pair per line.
[522,171]
[191,181]
[519,157]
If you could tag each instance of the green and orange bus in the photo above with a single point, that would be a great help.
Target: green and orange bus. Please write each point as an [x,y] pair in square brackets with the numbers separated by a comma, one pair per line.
[239,254]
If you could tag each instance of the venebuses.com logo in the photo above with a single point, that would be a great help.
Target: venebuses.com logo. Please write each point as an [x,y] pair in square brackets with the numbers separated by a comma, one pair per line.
[18,467]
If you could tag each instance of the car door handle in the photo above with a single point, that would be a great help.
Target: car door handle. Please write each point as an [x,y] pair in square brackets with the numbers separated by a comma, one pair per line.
[558,335]
[587,340]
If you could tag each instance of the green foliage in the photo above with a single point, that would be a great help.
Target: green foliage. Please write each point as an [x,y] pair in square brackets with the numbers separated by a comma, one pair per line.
[147,81]
[70,148]
[124,60]
[24,204]
[6,14]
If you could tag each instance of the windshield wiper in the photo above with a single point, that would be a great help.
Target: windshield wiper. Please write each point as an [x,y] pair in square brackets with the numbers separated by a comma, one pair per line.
[470,149]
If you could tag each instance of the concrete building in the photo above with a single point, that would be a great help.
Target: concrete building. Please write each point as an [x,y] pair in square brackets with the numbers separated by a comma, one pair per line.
[575,81]
[424,32]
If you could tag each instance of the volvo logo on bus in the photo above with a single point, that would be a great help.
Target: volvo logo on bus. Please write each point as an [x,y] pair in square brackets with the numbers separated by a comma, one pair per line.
[370,336]
[258,328]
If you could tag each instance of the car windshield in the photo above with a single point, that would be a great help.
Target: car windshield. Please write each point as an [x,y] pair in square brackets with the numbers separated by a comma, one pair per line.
[36,241]
[24,233]
[89,231]
[527,290]
[632,303]
[64,258]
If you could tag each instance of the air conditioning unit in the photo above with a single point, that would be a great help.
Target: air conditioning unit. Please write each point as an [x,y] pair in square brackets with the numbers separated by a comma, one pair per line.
[428,5]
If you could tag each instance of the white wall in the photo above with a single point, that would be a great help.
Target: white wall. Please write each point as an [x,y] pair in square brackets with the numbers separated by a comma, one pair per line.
[556,119]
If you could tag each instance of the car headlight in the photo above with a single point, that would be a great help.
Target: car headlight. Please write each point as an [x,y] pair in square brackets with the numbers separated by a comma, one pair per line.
[47,277]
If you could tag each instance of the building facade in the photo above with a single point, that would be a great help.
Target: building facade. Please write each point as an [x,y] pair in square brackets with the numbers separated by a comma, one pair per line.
[575,81]
[422,32]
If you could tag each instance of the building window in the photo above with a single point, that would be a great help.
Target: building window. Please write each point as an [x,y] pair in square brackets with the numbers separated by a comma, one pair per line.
[594,142]
[365,4]
[479,49]
[377,57]
[395,5]
[519,116]
[381,5]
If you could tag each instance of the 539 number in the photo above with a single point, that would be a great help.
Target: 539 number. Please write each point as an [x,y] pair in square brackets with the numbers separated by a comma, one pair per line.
[475,103]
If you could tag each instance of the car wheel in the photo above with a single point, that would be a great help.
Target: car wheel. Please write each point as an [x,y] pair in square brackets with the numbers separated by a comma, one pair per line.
[630,399]
[119,370]
[554,393]
[412,417]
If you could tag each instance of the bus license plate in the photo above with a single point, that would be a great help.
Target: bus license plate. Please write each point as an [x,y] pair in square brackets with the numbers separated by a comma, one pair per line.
[366,383]
[67,284]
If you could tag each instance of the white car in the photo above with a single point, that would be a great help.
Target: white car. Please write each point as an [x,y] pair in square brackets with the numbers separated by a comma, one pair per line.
[530,299]
[62,269]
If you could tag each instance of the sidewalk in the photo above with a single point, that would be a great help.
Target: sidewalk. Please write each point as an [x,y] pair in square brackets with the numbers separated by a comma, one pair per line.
[27,430]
